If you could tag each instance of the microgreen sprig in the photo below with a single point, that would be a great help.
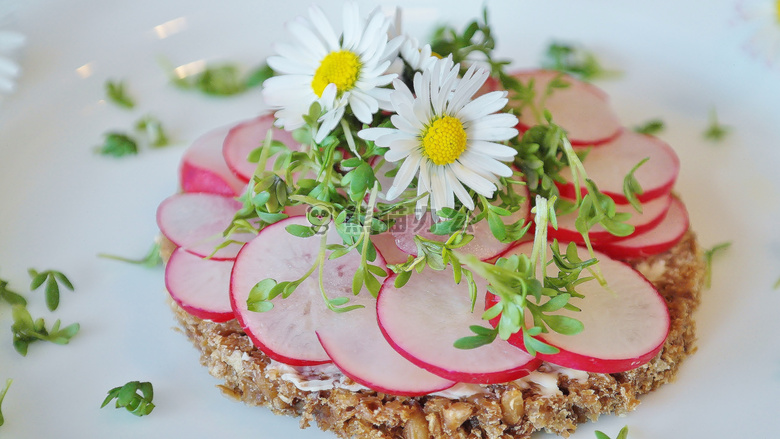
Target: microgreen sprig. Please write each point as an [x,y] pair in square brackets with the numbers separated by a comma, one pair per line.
[575,61]
[631,187]
[12,297]
[151,259]
[53,279]
[117,93]
[709,254]
[225,79]
[26,330]
[117,144]
[623,434]
[651,127]
[2,397]
[715,130]
[128,396]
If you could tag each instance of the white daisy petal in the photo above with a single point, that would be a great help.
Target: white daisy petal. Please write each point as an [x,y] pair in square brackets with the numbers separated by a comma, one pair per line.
[406,172]
[483,105]
[373,134]
[321,23]
[461,192]
[476,182]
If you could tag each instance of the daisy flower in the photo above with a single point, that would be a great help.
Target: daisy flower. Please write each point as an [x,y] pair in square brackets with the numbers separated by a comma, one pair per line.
[446,139]
[765,43]
[418,58]
[9,70]
[336,70]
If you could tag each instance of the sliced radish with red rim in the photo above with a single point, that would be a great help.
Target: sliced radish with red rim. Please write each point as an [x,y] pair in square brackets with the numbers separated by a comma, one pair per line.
[581,109]
[626,323]
[248,136]
[423,320]
[608,164]
[203,168]
[356,345]
[286,333]
[652,214]
[200,286]
[657,240]
[196,222]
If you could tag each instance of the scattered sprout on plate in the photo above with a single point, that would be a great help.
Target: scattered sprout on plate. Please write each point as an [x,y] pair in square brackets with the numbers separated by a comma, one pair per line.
[651,127]
[129,398]
[116,93]
[715,130]
[53,279]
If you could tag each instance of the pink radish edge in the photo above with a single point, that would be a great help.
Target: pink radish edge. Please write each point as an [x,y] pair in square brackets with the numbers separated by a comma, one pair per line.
[657,240]
[196,222]
[203,167]
[629,147]
[200,286]
[643,222]
[583,129]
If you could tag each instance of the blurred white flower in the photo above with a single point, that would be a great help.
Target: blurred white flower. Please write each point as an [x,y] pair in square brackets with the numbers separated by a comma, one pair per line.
[9,42]
[765,17]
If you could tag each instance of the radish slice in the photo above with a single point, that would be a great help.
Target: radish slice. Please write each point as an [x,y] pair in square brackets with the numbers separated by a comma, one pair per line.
[581,109]
[196,221]
[426,338]
[657,240]
[385,243]
[625,325]
[203,169]
[248,136]
[652,214]
[287,332]
[608,165]
[485,246]
[356,345]
[200,286]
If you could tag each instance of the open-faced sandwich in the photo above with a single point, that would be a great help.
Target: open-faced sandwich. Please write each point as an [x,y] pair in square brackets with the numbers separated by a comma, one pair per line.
[417,243]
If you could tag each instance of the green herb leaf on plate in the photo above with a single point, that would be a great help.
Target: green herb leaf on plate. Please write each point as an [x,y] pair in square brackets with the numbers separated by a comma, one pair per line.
[129,398]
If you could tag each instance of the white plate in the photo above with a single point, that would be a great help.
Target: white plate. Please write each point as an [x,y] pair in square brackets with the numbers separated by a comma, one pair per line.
[61,205]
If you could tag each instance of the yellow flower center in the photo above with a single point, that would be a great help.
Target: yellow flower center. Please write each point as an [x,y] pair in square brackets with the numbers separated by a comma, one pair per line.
[444,140]
[777,11]
[341,68]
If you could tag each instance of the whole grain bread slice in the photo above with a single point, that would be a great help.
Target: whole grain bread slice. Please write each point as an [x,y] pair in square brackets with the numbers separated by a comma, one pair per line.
[501,411]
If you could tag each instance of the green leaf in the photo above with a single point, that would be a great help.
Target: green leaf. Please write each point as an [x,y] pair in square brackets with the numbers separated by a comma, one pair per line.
[715,131]
[37,278]
[632,188]
[2,397]
[708,256]
[651,127]
[357,282]
[152,258]
[300,231]
[128,397]
[117,94]
[402,278]
[563,324]
[52,294]
[151,130]
[117,144]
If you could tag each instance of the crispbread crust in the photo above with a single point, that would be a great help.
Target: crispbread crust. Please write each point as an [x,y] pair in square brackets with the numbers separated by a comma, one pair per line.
[505,411]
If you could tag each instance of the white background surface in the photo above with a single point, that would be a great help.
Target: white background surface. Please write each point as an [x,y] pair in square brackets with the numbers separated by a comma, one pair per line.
[61,205]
